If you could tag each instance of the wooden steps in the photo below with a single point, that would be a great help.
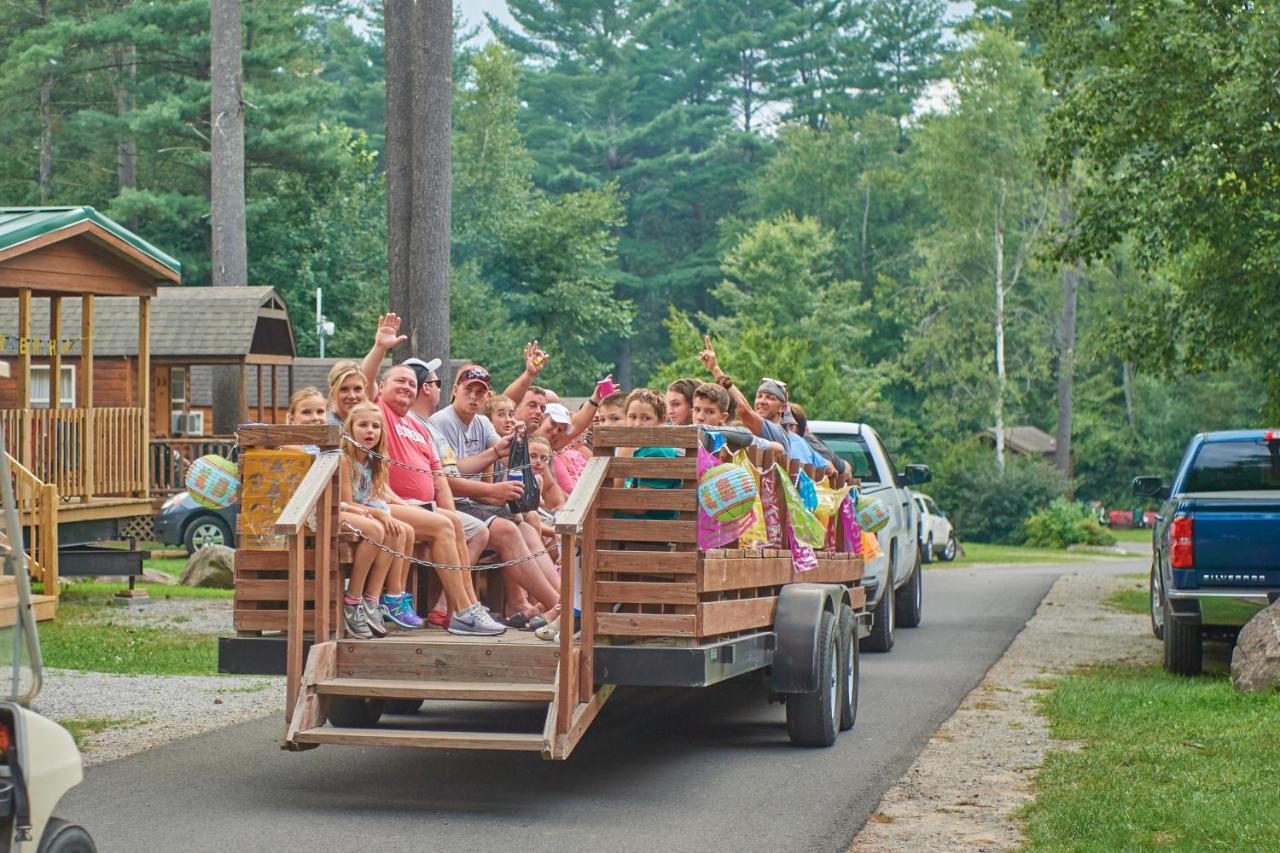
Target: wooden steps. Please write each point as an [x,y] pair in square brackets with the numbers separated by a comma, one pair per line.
[381,688]
[45,607]
[510,741]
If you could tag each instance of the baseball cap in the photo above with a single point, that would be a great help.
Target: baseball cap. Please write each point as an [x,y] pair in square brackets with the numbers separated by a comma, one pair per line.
[789,419]
[558,413]
[429,366]
[473,373]
[774,388]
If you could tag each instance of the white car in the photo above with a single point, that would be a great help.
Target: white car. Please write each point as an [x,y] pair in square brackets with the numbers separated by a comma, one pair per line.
[937,539]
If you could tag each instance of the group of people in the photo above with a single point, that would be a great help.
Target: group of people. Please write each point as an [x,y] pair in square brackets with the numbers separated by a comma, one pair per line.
[426,477]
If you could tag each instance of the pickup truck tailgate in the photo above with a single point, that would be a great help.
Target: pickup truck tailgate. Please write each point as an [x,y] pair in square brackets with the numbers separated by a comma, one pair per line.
[1239,531]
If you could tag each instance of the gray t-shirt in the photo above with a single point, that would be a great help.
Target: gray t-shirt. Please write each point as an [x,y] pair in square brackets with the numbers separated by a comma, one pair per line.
[463,440]
[772,432]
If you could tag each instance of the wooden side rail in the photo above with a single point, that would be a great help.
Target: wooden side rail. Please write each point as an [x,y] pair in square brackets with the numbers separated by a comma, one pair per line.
[575,525]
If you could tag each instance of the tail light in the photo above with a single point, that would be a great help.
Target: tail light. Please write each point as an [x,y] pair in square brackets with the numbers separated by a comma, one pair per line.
[1181,551]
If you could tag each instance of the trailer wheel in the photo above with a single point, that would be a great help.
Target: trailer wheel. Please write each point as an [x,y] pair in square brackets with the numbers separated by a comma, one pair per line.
[848,669]
[63,837]
[353,712]
[401,706]
[813,718]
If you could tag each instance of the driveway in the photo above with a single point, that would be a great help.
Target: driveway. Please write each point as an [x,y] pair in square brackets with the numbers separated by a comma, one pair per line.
[697,770]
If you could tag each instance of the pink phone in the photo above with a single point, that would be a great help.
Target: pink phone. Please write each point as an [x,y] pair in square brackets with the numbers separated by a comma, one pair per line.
[606,386]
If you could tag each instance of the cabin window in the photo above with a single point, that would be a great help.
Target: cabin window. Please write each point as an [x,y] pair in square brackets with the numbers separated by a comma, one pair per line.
[40,386]
[178,390]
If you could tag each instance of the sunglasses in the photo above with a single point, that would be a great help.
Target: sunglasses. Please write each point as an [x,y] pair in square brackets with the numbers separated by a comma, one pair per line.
[764,379]
[435,382]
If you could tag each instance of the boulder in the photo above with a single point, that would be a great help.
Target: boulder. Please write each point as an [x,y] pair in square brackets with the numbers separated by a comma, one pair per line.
[1255,663]
[151,575]
[210,566]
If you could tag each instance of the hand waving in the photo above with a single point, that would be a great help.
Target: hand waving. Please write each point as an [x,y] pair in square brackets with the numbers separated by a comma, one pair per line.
[388,336]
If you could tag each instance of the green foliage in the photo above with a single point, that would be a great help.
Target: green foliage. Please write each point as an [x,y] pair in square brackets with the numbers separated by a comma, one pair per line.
[1171,109]
[1064,523]
[87,637]
[983,505]
[1165,762]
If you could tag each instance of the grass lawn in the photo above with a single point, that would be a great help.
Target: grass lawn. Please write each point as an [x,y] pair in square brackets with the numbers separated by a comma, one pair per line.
[1131,599]
[1132,534]
[982,552]
[85,636]
[1166,762]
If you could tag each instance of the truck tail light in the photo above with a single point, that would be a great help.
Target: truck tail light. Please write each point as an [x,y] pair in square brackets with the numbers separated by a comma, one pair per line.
[1181,551]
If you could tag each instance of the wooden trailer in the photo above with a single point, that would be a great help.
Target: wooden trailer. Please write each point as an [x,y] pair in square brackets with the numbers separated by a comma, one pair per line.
[656,610]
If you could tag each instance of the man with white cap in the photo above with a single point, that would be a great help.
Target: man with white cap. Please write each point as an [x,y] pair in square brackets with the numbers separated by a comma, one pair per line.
[567,465]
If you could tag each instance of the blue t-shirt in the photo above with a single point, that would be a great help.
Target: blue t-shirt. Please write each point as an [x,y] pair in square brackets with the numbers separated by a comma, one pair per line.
[799,450]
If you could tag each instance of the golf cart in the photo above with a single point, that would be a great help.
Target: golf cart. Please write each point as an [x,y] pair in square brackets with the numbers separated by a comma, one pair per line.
[39,761]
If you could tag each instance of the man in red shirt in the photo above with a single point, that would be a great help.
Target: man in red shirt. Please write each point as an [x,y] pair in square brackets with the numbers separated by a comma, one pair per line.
[425,483]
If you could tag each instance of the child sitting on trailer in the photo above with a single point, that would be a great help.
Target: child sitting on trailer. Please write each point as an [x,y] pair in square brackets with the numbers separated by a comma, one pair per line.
[370,564]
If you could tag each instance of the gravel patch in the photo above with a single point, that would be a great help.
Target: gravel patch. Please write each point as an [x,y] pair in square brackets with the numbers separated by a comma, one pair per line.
[197,615]
[965,787]
[150,710]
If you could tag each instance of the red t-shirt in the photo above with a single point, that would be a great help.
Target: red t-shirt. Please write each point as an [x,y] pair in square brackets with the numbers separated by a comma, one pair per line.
[408,443]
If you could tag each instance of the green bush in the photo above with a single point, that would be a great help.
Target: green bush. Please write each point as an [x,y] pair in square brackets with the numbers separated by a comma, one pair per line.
[1064,523]
[985,507]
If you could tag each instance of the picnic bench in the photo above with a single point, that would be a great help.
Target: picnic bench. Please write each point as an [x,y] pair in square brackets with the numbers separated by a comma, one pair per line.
[657,611]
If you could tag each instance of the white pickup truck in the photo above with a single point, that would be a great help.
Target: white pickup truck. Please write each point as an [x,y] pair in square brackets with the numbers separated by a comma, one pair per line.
[898,568]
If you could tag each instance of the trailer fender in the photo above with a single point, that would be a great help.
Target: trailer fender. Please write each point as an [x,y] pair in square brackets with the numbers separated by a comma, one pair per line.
[795,623]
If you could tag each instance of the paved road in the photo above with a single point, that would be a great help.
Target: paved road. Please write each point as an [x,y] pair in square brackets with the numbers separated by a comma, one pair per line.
[697,770]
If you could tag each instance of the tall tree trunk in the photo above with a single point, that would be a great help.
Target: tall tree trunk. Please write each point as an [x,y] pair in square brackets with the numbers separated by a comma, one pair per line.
[226,187]
[1001,379]
[419,40]
[46,122]
[1066,367]
[126,146]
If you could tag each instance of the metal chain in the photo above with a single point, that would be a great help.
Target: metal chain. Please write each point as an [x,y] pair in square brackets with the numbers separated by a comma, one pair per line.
[427,563]
[460,476]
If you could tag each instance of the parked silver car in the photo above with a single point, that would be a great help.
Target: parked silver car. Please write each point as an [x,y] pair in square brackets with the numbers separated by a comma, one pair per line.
[898,567]
[937,538]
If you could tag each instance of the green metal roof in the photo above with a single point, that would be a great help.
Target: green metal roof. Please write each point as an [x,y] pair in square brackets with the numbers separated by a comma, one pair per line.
[20,224]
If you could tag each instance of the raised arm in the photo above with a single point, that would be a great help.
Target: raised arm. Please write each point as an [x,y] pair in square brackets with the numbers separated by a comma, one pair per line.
[387,338]
[746,412]
[534,360]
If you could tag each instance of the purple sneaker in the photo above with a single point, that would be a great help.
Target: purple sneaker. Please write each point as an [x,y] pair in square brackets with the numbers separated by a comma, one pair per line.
[399,609]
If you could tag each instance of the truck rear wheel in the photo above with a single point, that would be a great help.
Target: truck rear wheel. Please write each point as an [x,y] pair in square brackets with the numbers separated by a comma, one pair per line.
[848,640]
[881,637]
[1157,605]
[909,608]
[814,718]
[1183,645]
[63,837]
[353,712]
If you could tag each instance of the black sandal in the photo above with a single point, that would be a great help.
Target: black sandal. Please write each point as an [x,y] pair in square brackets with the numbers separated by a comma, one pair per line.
[518,621]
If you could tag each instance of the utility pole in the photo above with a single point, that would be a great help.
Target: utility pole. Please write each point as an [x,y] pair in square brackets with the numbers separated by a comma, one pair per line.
[324,328]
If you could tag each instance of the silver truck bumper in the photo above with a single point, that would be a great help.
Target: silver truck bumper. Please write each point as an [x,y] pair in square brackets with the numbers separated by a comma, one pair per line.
[1226,607]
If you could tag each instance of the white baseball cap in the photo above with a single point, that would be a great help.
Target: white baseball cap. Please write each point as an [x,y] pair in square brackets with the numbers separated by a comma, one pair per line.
[431,366]
[558,413]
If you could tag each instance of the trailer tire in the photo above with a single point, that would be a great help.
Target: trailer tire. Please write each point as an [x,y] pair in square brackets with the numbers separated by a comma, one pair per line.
[848,669]
[909,608]
[881,637]
[63,837]
[814,718]
[401,706]
[354,712]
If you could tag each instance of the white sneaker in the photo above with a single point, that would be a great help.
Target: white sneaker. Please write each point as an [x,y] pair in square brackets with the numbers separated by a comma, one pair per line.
[474,622]
[373,617]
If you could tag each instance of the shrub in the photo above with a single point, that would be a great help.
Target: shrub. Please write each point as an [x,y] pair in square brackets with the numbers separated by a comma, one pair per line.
[985,507]
[1064,523]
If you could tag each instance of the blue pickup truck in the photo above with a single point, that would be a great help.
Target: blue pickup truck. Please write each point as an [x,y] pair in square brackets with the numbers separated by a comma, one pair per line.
[1216,549]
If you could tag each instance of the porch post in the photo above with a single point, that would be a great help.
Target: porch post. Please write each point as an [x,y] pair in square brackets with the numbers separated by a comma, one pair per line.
[143,466]
[88,432]
[25,439]
[261,415]
[243,415]
[275,401]
[55,352]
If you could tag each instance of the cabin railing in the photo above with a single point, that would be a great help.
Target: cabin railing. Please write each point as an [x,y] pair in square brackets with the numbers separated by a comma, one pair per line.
[82,452]
[37,505]
[171,457]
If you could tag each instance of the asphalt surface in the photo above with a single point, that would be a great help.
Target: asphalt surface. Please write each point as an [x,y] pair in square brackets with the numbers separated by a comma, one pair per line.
[696,770]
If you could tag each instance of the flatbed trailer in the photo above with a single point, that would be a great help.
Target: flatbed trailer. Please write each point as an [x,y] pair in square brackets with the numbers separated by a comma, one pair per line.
[657,611]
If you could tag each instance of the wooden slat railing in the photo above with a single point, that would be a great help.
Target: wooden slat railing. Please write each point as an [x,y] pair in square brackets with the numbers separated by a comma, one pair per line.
[171,457]
[52,444]
[37,504]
